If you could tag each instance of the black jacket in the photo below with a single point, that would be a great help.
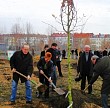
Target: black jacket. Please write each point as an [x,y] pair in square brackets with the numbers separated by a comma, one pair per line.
[42,54]
[54,54]
[85,68]
[23,63]
[102,68]
[47,68]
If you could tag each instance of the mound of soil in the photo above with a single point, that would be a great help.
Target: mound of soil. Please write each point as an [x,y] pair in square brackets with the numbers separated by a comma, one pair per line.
[80,100]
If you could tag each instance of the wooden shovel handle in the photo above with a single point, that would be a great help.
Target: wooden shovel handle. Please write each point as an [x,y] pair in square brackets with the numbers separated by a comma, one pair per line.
[21,74]
[26,77]
[50,82]
[86,87]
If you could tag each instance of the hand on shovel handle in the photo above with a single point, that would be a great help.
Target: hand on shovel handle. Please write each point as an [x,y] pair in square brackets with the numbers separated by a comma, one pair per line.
[28,78]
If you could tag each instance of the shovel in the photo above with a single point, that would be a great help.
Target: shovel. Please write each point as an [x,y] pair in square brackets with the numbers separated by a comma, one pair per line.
[58,90]
[83,91]
[40,87]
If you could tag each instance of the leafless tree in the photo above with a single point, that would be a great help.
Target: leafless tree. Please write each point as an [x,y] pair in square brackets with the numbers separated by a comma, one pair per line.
[68,21]
[16,29]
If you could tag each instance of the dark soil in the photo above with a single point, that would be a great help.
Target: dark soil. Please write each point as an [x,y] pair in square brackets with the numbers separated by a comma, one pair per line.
[80,100]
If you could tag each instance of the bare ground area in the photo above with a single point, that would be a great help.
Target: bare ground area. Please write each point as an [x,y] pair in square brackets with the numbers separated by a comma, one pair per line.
[80,100]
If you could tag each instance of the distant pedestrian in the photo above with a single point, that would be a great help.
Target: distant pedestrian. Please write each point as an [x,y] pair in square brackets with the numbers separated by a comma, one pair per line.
[63,54]
[105,53]
[46,47]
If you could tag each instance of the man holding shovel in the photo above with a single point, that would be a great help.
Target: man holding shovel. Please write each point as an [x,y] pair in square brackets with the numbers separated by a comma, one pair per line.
[22,62]
[45,66]
[102,68]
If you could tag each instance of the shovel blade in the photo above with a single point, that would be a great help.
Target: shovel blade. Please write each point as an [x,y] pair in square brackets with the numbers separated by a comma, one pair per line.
[42,88]
[59,91]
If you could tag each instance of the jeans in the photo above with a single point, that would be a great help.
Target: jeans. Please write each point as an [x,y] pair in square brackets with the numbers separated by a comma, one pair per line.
[54,75]
[28,91]
[104,100]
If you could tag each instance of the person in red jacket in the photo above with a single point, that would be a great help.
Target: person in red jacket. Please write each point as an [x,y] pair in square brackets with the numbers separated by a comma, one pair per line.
[45,66]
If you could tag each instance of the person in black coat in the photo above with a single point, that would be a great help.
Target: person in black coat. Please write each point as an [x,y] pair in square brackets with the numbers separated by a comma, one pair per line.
[41,77]
[84,67]
[45,66]
[46,47]
[22,62]
[105,53]
[52,50]
[63,54]
[102,68]
[58,62]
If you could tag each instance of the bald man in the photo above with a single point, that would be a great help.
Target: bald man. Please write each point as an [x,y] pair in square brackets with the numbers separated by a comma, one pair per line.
[84,67]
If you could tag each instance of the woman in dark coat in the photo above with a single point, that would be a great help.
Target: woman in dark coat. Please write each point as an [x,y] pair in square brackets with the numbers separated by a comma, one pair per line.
[42,54]
[45,66]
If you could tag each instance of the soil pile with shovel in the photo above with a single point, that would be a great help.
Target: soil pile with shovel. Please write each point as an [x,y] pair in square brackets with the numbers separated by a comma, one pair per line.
[80,100]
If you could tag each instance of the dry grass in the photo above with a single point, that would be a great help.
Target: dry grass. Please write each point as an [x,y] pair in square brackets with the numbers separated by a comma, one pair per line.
[79,100]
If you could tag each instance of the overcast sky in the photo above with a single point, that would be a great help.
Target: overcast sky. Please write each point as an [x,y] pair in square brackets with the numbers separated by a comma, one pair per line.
[39,14]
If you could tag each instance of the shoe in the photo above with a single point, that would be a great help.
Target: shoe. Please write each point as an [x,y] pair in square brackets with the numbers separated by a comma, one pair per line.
[12,103]
[28,102]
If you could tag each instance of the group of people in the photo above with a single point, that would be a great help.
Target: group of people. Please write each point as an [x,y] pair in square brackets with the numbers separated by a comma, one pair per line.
[22,62]
[89,67]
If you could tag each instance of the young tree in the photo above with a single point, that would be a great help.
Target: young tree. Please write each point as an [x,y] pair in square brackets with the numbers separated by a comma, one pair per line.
[68,21]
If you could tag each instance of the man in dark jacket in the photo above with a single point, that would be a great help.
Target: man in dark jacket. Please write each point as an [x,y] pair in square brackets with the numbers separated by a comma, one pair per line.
[52,50]
[42,54]
[102,68]
[58,62]
[22,62]
[84,67]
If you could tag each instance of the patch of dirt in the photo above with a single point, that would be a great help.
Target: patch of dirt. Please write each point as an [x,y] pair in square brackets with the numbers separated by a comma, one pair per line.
[55,101]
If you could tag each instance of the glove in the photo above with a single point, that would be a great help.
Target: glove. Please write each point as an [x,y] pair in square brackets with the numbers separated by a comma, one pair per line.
[28,77]
[13,70]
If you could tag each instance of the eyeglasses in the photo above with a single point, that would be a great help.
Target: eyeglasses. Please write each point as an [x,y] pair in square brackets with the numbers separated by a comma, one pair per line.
[93,59]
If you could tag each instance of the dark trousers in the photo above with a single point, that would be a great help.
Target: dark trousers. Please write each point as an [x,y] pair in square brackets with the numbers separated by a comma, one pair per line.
[41,78]
[104,100]
[47,90]
[83,83]
[44,81]
[59,68]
